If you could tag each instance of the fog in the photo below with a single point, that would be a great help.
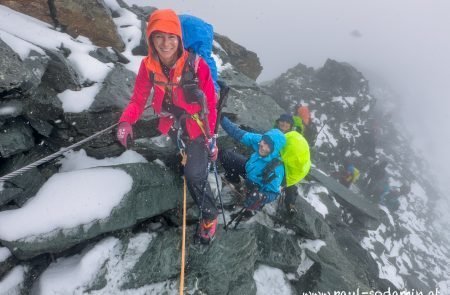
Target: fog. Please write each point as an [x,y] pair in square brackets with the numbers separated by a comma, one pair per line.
[403,44]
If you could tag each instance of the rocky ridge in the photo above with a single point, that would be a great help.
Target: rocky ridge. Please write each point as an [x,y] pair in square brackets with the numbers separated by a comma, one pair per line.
[321,248]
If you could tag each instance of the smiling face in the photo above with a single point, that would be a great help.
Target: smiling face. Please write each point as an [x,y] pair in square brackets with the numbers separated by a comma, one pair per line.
[166,45]
[264,149]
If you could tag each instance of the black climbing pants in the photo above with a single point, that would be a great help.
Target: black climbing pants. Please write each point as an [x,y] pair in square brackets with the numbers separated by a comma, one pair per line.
[196,175]
[234,165]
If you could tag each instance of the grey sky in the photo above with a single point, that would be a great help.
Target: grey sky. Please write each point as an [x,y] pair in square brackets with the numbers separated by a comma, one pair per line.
[405,42]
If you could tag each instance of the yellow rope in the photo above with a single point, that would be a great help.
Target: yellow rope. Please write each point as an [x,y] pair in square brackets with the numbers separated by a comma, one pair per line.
[183,240]
[196,118]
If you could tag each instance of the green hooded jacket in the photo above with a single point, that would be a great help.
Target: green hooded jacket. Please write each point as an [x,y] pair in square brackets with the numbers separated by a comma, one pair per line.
[296,157]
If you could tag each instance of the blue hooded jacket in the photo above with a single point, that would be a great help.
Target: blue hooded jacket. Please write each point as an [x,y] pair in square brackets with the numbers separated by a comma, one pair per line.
[198,35]
[256,164]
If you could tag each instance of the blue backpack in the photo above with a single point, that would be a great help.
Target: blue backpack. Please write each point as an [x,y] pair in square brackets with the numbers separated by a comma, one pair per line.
[198,37]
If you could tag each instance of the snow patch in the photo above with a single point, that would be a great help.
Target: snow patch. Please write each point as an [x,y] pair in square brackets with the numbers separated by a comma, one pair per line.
[312,245]
[7,110]
[4,254]
[12,283]
[88,68]
[67,200]
[21,47]
[77,160]
[78,101]
[66,275]
[271,281]
[313,199]
[129,28]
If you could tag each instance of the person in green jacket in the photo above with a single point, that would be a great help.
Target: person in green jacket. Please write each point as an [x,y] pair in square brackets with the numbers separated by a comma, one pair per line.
[296,159]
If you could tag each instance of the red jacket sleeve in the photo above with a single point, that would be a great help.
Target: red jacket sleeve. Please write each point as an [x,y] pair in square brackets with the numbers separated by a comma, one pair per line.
[142,88]
[207,86]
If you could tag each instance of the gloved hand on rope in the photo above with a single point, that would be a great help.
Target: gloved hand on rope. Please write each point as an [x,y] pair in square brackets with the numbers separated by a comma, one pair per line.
[213,150]
[124,131]
[254,199]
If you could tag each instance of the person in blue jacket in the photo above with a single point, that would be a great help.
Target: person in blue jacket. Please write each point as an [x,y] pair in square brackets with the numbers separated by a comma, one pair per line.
[263,171]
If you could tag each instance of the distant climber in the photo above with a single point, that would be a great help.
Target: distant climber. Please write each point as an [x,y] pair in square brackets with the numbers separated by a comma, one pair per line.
[375,181]
[296,159]
[304,123]
[263,170]
[390,198]
[348,175]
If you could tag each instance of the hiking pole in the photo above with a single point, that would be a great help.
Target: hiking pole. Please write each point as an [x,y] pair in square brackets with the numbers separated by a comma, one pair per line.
[223,96]
[224,89]
[239,214]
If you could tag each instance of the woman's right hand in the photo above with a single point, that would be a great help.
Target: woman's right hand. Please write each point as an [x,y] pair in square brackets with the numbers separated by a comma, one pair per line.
[123,132]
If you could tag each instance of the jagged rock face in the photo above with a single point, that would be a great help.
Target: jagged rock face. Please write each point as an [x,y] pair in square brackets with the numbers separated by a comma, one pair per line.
[314,251]
[245,61]
[17,76]
[339,100]
[60,74]
[36,8]
[116,91]
[90,19]
[15,137]
[76,17]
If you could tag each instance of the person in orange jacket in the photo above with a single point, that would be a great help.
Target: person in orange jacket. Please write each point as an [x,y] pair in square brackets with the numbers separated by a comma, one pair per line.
[186,111]
[304,123]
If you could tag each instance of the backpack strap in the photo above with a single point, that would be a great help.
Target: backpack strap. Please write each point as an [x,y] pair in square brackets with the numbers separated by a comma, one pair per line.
[268,173]
[190,69]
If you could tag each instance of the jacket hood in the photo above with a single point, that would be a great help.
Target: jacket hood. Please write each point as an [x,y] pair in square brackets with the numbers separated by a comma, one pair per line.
[166,21]
[279,141]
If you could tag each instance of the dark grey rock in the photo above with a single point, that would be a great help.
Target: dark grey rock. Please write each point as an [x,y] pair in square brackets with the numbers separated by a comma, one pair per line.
[141,49]
[155,190]
[36,64]
[341,78]
[8,194]
[7,265]
[115,92]
[21,187]
[42,127]
[161,261]
[60,75]
[252,110]
[43,104]
[277,249]
[29,184]
[15,137]
[14,76]
[104,55]
[237,80]
[307,222]
[225,265]
[243,60]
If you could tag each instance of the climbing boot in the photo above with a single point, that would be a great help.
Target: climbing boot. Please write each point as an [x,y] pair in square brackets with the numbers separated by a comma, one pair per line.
[207,230]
